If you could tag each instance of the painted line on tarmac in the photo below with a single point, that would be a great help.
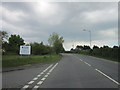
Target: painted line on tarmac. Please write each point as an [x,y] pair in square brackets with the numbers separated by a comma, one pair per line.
[87,64]
[26,86]
[45,77]
[40,82]
[36,78]
[81,60]
[31,82]
[78,58]
[108,77]
[35,87]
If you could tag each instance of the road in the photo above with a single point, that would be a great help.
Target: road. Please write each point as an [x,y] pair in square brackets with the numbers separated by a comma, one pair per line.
[72,71]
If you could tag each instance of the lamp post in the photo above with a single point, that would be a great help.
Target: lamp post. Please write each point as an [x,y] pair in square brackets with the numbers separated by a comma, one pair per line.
[90,35]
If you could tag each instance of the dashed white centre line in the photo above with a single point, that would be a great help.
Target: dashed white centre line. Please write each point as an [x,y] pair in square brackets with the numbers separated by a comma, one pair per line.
[43,79]
[26,86]
[36,87]
[38,75]
[40,82]
[42,73]
[46,76]
[87,63]
[48,73]
[35,78]
[108,77]
[81,60]
[31,82]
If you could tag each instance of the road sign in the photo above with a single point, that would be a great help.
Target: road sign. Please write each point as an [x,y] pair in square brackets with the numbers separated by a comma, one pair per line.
[25,50]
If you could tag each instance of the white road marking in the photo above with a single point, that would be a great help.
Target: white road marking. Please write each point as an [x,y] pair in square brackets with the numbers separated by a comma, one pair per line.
[46,76]
[35,78]
[53,67]
[36,87]
[87,63]
[48,68]
[48,73]
[26,86]
[44,70]
[38,75]
[40,82]
[81,60]
[31,82]
[42,73]
[43,79]
[107,76]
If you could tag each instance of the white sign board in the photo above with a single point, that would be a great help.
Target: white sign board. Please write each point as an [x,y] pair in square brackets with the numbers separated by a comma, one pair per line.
[25,50]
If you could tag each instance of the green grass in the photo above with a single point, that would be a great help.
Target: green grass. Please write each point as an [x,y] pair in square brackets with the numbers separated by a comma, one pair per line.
[17,60]
[107,58]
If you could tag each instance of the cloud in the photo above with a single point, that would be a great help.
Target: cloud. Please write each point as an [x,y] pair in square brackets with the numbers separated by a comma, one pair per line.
[13,16]
[36,21]
[101,16]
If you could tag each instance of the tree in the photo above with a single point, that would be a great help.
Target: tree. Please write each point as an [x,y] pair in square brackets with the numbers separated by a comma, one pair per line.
[3,43]
[79,47]
[56,42]
[4,35]
[40,48]
[86,47]
[95,47]
[14,42]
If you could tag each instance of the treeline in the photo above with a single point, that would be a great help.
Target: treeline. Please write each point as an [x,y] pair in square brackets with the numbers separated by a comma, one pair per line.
[103,52]
[11,44]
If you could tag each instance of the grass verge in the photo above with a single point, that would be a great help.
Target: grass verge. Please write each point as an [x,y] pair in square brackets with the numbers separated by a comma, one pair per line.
[106,58]
[17,60]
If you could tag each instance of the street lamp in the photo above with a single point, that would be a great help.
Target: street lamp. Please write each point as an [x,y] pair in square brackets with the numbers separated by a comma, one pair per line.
[90,35]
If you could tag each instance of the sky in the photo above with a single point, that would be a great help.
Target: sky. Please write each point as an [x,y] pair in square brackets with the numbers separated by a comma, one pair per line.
[35,21]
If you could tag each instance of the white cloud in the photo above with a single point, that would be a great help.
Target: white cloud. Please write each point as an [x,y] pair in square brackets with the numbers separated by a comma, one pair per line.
[36,21]
[109,34]
[49,13]
[13,16]
[101,16]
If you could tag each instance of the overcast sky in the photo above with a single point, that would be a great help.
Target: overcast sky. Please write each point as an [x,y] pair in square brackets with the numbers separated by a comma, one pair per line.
[35,21]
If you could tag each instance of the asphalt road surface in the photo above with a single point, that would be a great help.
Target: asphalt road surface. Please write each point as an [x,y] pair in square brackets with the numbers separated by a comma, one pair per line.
[72,71]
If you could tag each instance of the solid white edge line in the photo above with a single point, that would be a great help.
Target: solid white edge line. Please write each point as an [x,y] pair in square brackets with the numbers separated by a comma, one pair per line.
[26,86]
[107,76]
